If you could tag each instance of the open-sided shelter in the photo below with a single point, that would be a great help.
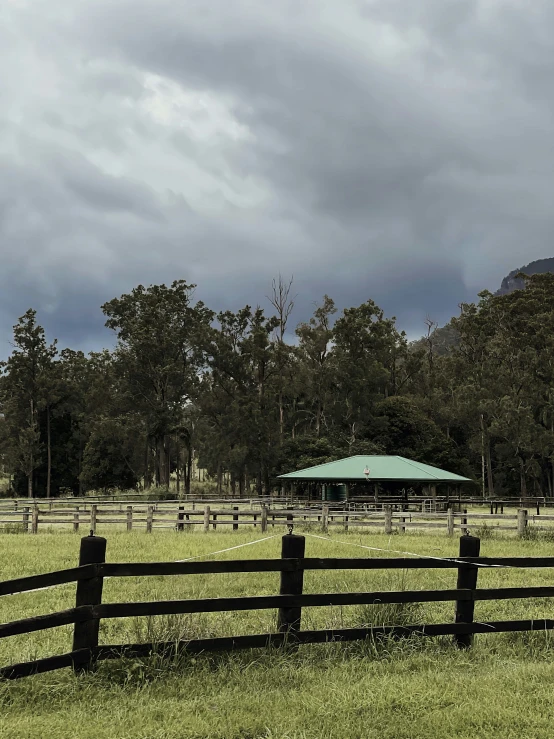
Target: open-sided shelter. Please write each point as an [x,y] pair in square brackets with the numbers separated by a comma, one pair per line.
[372,473]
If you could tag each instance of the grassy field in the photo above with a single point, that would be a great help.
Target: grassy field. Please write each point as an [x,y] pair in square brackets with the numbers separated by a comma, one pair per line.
[404,689]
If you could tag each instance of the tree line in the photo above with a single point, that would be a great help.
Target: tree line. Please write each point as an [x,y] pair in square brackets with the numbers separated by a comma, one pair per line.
[247,397]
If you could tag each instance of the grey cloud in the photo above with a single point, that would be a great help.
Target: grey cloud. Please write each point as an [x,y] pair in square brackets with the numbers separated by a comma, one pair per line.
[388,149]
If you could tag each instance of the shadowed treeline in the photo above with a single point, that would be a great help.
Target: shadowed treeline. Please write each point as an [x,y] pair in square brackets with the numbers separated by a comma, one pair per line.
[232,393]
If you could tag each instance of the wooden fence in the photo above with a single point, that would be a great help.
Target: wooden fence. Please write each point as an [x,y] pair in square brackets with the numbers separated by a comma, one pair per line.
[148,518]
[412,504]
[89,609]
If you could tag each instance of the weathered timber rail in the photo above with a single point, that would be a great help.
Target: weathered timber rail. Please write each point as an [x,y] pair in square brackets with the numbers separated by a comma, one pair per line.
[290,601]
[412,503]
[186,517]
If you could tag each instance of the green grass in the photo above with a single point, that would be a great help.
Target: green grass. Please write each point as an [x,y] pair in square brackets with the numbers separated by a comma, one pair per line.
[403,689]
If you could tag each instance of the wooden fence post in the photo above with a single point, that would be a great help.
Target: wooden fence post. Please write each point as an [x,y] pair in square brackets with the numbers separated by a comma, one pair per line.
[521,522]
[470,546]
[149,519]
[235,518]
[292,583]
[450,522]
[206,519]
[129,518]
[76,520]
[264,519]
[26,510]
[34,520]
[93,512]
[255,519]
[89,593]
[402,526]
[214,519]
[346,523]
[180,519]
[388,519]
[325,519]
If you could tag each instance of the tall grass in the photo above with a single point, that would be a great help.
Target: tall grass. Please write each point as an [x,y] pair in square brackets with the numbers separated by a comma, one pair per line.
[405,688]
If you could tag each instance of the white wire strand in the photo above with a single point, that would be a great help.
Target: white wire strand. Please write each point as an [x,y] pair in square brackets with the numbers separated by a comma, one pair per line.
[410,554]
[199,556]
[229,549]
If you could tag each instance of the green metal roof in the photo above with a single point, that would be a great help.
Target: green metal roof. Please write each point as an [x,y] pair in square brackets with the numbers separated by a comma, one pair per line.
[381,468]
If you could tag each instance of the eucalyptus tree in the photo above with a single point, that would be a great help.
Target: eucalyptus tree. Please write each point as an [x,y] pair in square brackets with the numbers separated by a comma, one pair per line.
[310,408]
[240,398]
[367,354]
[27,386]
[161,334]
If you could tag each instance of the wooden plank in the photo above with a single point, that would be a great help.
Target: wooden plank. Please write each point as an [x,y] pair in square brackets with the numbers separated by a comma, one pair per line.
[48,621]
[262,602]
[541,518]
[478,516]
[171,524]
[74,574]
[48,522]
[25,669]
[277,565]
[121,521]
[424,525]
[219,522]
[23,584]
[355,523]
[513,593]
[230,643]
[496,527]
[487,516]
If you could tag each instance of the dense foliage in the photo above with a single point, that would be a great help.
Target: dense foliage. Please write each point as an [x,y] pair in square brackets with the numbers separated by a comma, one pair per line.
[244,396]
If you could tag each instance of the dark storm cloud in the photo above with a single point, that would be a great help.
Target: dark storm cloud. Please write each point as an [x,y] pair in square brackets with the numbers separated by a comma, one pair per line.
[385,149]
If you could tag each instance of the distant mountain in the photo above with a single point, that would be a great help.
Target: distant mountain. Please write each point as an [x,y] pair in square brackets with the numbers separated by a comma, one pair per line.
[511,282]
[446,337]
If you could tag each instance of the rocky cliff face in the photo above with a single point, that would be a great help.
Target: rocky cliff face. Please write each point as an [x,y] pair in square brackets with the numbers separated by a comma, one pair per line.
[511,282]
[446,337]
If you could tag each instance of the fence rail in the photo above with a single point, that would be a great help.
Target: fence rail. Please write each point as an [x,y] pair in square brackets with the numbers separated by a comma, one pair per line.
[161,516]
[290,601]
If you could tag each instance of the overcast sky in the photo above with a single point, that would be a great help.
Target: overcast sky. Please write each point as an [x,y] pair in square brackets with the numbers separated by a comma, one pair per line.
[400,150]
